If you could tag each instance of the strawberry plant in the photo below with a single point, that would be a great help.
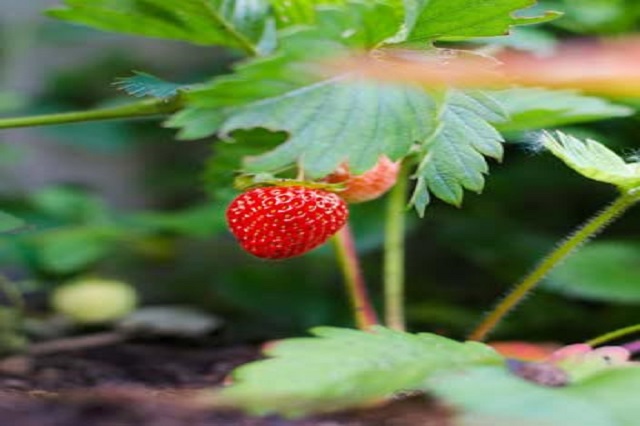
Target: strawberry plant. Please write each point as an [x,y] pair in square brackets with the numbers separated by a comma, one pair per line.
[338,102]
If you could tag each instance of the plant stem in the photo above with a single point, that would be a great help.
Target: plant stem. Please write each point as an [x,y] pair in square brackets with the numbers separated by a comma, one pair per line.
[613,335]
[580,236]
[132,110]
[363,311]
[394,253]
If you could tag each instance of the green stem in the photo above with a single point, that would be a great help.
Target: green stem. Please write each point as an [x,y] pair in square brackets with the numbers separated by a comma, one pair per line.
[243,42]
[613,335]
[132,110]
[588,230]
[394,253]
[364,313]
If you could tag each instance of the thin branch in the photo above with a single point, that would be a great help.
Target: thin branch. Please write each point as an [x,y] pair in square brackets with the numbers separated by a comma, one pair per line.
[145,108]
[585,232]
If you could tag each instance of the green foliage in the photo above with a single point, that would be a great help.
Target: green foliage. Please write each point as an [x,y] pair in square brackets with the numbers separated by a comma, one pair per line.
[9,222]
[606,271]
[593,160]
[241,23]
[491,395]
[462,19]
[67,250]
[142,84]
[341,368]
[536,108]
[453,158]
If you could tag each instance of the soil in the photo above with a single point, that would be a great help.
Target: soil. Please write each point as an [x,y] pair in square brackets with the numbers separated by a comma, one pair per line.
[152,384]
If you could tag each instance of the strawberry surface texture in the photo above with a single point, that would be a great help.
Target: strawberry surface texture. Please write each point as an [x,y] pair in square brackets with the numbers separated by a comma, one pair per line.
[369,185]
[280,222]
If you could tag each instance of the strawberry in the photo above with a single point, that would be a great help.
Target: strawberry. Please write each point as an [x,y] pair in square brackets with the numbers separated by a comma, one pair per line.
[279,222]
[369,185]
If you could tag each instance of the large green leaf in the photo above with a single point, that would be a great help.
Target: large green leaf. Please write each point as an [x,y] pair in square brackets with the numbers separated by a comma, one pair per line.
[461,19]
[341,368]
[236,23]
[333,122]
[534,108]
[607,270]
[453,159]
[329,121]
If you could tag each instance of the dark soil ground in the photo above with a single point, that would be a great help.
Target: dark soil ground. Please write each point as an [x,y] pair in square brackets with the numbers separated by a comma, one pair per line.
[149,384]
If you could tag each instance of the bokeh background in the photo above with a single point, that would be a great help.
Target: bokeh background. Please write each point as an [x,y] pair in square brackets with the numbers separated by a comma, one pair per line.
[124,200]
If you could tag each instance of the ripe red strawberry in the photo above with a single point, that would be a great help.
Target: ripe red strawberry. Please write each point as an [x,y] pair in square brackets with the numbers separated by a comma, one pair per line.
[369,185]
[279,222]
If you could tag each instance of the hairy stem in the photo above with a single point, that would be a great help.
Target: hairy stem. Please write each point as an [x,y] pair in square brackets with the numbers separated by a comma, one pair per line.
[613,335]
[363,311]
[585,232]
[138,109]
[394,253]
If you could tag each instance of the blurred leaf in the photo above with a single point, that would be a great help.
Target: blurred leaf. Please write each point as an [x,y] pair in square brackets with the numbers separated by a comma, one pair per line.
[597,16]
[198,221]
[10,223]
[607,271]
[142,84]
[592,160]
[10,101]
[234,23]
[340,368]
[452,160]
[493,396]
[615,390]
[70,205]
[461,19]
[67,250]
[536,108]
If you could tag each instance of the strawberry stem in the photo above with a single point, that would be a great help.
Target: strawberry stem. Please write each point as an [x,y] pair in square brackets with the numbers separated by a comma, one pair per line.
[363,311]
[570,245]
[613,335]
[394,252]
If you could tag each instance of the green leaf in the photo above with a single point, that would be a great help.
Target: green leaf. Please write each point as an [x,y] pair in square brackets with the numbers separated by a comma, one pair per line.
[593,160]
[340,368]
[534,108]
[9,222]
[142,84]
[615,390]
[452,159]
[333,122]
[461,19]
[228,158]
[329,121]
[67,250]
[493,396]
[236,23]
[607,271]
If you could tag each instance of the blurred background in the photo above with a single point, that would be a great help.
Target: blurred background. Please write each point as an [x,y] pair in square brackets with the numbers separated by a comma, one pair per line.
[124,200]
